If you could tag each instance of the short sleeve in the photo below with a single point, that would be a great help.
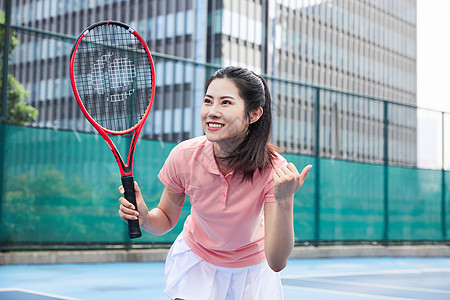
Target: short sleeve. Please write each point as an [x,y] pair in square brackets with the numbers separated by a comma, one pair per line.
[268,191]
[169,172]
[268,188]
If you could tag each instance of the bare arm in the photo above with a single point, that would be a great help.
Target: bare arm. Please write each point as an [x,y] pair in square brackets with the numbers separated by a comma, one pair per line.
[160,219]
[278,216]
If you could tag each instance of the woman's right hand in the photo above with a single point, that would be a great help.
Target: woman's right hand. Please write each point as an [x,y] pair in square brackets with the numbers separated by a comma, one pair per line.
[127,210]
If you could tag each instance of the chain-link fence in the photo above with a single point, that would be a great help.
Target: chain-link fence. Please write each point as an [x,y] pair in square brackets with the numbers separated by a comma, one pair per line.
[381,168]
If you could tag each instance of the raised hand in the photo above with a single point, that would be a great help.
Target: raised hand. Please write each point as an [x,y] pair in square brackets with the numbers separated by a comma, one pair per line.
[287,180]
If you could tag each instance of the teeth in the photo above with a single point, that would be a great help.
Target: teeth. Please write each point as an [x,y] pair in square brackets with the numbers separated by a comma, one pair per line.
[215,125]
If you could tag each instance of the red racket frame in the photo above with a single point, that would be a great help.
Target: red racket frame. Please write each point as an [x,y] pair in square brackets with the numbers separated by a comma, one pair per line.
[126,169]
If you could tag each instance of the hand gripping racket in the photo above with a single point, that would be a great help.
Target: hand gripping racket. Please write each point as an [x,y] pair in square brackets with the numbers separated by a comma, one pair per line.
[113,80]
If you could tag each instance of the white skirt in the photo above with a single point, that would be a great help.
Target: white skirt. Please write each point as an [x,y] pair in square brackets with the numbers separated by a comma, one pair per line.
[190,277]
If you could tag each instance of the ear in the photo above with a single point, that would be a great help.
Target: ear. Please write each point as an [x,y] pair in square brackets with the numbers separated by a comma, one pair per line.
[256,114]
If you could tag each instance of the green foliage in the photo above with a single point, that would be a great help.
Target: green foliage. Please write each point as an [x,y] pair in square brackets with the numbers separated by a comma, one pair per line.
[18,111]
[33,202]
[45,189]
[13,41]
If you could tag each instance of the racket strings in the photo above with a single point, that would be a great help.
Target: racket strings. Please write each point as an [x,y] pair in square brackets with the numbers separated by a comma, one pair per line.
[113,77]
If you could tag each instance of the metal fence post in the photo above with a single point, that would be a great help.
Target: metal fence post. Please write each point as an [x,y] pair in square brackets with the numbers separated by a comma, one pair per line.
[317,169]
[386,173]
[3,117]
[6,37]
[443,206]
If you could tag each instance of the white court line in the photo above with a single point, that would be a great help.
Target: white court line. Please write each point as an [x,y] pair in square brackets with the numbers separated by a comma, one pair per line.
[331,291]
[36,293]
[392,272]
[380,285]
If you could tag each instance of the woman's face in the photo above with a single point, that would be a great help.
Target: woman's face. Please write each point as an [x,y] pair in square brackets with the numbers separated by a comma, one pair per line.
[223,114]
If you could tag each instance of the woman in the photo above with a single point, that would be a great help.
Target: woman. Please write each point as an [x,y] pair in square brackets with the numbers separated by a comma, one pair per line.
[240,231]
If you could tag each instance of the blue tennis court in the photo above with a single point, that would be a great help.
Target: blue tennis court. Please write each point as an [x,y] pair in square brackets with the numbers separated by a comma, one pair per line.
[368,278]
[335,278]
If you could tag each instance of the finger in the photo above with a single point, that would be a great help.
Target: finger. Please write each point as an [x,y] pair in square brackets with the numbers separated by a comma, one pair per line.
[123,213]
[121,190]
[137,190]
[126,203]
[281,172]
[291,167]
[126,216]
[275,176]
[305,171]
[126,211]
[290,172]
[278,173]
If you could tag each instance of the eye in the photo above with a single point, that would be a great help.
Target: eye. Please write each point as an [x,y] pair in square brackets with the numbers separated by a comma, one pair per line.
[225,102]
[207,101]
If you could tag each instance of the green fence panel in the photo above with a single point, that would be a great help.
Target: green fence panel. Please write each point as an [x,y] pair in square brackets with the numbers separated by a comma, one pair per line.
[304,221]
[414,204]
[61,187]
[446,188]
[351,203]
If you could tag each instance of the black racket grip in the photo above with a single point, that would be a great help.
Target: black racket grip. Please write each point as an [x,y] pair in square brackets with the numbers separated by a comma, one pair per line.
[133,225]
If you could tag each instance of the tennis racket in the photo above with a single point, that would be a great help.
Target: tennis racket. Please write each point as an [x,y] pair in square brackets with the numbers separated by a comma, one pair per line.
[113,80]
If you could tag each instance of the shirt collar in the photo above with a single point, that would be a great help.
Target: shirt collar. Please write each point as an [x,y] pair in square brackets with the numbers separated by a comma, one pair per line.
[209,159]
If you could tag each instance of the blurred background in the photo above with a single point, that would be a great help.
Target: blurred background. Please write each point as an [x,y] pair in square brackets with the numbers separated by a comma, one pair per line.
[345,77]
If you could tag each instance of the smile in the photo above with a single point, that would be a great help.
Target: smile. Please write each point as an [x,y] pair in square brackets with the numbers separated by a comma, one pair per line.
[215,125]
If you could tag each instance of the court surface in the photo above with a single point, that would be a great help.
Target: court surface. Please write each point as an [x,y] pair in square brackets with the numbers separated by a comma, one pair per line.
[334,278]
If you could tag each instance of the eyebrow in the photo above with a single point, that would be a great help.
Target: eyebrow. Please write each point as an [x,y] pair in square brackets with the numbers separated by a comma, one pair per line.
[222,97]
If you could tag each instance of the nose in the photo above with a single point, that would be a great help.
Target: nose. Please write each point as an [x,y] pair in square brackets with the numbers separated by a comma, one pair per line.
[214,111]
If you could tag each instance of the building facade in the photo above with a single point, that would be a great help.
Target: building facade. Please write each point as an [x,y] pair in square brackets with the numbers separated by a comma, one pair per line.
[363,47]
[307,49]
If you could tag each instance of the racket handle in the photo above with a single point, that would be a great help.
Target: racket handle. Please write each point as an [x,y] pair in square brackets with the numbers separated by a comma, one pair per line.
[133,225]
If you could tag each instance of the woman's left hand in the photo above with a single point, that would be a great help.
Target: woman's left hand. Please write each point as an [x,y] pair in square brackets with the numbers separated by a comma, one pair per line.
[287,180]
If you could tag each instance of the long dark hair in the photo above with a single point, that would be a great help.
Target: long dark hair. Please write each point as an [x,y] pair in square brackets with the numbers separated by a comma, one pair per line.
[254,152]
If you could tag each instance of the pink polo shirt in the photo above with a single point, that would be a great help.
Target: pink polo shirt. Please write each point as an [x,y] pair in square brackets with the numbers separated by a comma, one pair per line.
[226,224]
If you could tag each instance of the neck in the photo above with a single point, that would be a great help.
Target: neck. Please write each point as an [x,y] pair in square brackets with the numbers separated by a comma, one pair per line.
[226,147]
[219,153]
[223,167]
[223,149]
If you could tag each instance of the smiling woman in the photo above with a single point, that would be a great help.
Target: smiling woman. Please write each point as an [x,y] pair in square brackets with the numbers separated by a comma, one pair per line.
[240,231]
[241,100]
[223,108]
[223,117]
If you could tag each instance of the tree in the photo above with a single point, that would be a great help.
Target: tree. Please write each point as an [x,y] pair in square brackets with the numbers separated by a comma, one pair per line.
[18,111]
